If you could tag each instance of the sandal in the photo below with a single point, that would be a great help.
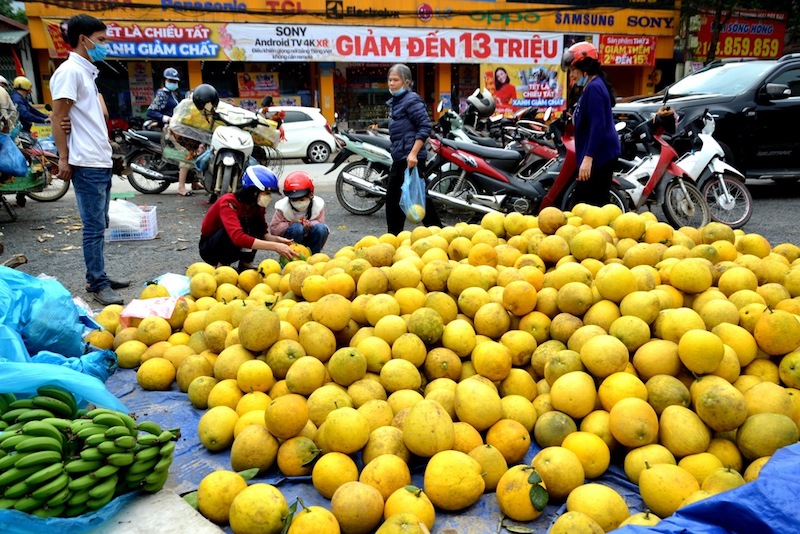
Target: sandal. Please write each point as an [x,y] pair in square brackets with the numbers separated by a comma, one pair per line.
[185,193]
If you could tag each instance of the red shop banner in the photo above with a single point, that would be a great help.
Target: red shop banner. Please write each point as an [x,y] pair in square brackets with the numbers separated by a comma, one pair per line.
[631,50]
[747,33]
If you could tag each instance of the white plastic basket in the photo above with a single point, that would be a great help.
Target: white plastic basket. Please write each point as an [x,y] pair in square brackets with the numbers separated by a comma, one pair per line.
[148,228]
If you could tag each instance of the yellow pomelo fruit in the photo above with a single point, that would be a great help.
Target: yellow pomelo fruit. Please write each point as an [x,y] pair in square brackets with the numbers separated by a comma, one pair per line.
[657,357]
[255,400]
[305,375]
[560,469]
[633,422]
[386,473]
[410,499]
[552,427]
[331,471]
[701,351]
[156,374]
[332,311]
[254,375]
[190,368]
[216,493]
[511,438]
[130,354]
[102,339]
[575,298]
[453,480]
[295,456]
[777,332]
[385,440]
[683,432]
[199,390]
[428,429]
[618,386]
[664,487]
[601,503]
[604,355]
[215,335]
[478,403]
[358,507]
[636,460]
[215,428]
[514,494]
[427,324]
[346,430]
[666,390]
[346,365]
[700,465]
[591,450]
[739,339]
[614,281]
[153,329]
[722,407]
[754,469]
[259,508]
[493,464]
[202,284]
[324,400]
[576,523]
[254,447]
[574,394]
[314,519]
[316,340]
[727,452]
[492,360]
[225,393]
[722,479]
[259,329]
[631,330]
[672,323]
[764,433]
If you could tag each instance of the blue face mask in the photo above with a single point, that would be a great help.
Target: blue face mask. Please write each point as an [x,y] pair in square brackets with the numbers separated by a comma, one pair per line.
[98,53]
[171,86]
[582,80]
[398,92]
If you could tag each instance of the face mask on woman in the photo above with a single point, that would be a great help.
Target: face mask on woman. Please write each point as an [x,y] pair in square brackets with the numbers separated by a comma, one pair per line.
[580,82]
[398,92]
[264,199]
[98,53]
[300,205]
[171,86]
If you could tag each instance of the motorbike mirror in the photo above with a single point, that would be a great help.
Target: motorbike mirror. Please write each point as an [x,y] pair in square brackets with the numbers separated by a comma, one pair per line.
[336,115]
[440,106]
[548,113]
[621,125]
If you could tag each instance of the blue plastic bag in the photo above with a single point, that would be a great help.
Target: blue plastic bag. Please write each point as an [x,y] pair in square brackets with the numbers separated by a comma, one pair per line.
[412,196]
[12,161]
[201,162]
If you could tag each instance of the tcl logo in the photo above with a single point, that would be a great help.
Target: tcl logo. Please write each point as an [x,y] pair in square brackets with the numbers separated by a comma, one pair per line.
[284,6]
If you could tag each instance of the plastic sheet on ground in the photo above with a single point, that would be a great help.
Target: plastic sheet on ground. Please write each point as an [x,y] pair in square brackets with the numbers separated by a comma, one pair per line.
[171,409]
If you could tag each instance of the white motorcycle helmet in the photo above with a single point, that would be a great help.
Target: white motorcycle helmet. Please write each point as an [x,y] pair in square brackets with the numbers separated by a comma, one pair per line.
[483,102]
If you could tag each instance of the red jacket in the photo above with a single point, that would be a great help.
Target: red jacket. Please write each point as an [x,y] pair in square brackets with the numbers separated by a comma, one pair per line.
[227,211]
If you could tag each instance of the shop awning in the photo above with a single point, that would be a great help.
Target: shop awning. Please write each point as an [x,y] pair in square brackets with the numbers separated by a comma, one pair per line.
[12,37]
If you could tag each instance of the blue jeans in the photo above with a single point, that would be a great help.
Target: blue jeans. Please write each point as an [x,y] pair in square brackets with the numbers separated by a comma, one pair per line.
[93,193]
[314,238]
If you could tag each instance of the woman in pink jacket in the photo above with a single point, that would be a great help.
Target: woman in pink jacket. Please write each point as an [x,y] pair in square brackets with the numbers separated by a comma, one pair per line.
[300,216]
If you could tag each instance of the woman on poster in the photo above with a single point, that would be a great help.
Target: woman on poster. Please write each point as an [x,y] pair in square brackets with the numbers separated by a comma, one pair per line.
[504,90]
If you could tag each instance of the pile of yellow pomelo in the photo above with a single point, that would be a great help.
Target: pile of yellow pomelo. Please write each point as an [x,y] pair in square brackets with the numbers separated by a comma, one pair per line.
[592,332]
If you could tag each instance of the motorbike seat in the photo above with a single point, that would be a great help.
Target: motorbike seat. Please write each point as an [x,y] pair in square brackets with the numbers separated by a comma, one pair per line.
[483,141]
[483,151]
[376,140]
[152,136]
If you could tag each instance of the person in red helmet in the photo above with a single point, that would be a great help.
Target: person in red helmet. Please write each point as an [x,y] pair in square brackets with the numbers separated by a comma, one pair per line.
[300,216]
[597,145]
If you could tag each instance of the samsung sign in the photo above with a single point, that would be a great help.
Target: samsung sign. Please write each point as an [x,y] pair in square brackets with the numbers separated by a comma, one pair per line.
[232,5]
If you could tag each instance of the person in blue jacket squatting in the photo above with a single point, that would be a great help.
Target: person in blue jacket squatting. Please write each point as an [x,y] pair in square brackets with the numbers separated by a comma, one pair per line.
[596,140]
[161,110]
[409,128]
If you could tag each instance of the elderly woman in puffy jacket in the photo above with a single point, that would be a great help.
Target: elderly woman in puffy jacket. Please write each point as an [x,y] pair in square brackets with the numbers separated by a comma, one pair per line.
[409,128]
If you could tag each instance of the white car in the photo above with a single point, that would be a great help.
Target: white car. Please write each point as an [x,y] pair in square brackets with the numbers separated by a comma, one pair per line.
[308,134]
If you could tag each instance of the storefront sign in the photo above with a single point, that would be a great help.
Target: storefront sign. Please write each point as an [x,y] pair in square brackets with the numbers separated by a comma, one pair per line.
[746,34]
[267,42]
[627,50]
[131,40]
[140,79]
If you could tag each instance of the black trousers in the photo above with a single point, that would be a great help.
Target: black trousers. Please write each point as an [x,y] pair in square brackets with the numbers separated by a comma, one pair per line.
[218,248]
[595,190]
[395,218]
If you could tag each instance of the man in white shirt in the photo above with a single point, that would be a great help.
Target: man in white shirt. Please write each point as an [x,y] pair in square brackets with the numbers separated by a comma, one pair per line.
[85,154]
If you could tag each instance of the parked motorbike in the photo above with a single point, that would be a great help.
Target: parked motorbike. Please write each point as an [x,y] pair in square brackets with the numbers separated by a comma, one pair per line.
[723,187]
[662,178]
[144,165]
[43,161]
[485,179]
[361,185]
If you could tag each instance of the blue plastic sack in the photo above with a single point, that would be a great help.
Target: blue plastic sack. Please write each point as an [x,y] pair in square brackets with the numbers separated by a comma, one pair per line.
[42,312]
[100,363]
[412,196]
[12,161]
[48,144]
[201,162]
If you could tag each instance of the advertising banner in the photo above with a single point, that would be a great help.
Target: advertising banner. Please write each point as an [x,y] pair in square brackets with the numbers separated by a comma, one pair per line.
[746,34]
[620,50]
[270,42]
[140,79]
[258,84]
[521,86]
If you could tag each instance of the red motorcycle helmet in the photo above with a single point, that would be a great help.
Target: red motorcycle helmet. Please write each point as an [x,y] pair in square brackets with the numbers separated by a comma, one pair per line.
[297,184]
[576,53]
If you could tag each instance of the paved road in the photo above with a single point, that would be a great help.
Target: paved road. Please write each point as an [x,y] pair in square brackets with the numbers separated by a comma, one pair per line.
[49,233]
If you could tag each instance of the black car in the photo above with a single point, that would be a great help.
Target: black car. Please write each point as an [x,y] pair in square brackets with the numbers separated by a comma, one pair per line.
[756,104]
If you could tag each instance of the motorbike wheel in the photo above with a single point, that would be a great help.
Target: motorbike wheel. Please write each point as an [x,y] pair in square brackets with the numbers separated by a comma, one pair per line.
[682,210]
[228,174]
[142,183]
[733,209]
[55,188]
[357,201]
[450,184]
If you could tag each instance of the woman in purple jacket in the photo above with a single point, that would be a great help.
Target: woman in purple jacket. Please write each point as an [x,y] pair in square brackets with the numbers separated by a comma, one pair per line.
[596,140]
[409,128]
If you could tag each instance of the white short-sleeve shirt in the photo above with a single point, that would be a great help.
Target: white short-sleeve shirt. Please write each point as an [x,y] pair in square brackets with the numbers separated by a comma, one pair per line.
[88,141]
